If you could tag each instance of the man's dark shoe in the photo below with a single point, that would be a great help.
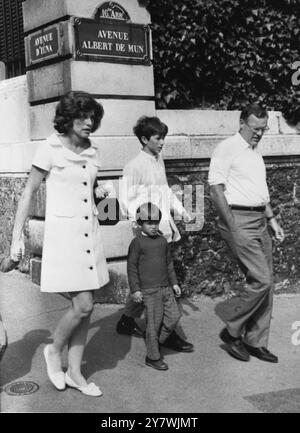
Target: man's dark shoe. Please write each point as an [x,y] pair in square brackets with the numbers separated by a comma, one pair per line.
[127,326]
[261,353]
[234,346]
[226,337]
[158,364]
[174,342]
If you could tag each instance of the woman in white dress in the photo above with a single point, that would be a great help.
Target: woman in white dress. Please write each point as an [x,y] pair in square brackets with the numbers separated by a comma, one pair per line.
[73,260]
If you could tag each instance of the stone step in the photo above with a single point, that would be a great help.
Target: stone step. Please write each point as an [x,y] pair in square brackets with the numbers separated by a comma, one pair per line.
[116,239]
[117,151]
[115,292]
[216,122]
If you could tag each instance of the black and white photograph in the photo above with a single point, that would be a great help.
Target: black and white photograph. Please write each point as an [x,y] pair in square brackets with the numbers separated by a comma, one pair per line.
[149,209]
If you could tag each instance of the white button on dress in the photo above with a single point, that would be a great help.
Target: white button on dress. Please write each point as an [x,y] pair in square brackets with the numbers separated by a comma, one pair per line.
[73,258]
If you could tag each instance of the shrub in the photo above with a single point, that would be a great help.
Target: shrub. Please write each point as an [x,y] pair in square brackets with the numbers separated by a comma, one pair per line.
[223,53]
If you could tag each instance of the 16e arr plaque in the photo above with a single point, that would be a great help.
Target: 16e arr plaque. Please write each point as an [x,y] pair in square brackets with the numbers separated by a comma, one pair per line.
[112,41]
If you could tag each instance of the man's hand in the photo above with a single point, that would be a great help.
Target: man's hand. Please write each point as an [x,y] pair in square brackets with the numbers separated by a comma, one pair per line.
[189,219]
[177,290]
[100,192]
[135,225]
[278,231]
[137,297]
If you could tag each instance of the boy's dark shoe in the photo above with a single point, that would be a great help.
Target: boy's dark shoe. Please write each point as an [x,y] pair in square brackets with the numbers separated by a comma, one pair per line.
[174,342]
[127,326]
[158,364]
[261,353]
[234,346]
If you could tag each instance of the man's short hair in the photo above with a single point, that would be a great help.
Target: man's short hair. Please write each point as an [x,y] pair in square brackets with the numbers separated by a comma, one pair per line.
[254,109]
[148,126]
[148,212]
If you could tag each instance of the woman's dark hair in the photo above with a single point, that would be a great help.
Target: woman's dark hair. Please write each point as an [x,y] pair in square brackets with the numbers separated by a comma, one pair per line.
[148,212]
[148,126]
[74,105]
[254,109]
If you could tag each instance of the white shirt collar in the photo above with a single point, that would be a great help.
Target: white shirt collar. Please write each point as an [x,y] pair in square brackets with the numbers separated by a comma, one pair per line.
[148,156]
[55,141]
[242,141]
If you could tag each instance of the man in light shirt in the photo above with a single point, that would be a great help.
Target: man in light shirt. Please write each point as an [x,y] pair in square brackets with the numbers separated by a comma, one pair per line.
[237,179]
[144,180]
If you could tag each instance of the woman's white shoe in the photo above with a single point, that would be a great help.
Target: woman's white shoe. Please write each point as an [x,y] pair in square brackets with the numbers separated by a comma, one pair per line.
[57,378]
[89,389]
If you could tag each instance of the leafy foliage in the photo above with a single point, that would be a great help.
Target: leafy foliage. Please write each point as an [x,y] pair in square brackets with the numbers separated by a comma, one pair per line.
[224,53]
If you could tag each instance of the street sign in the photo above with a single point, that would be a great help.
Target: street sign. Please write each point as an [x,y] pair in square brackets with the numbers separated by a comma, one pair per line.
[112,41]
[44,44]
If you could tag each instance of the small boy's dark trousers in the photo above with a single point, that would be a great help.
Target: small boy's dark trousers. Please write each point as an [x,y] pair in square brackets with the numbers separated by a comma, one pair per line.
[162,316]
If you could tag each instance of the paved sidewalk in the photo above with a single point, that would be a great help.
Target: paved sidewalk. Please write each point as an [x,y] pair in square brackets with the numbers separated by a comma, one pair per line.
[207,380]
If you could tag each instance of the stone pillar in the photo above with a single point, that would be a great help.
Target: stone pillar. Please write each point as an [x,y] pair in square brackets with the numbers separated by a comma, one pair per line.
[60,36]
[103,48]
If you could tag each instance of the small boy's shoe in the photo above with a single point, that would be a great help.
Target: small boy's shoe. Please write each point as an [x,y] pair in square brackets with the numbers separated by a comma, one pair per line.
[159,364]
[127,326]
[174,342]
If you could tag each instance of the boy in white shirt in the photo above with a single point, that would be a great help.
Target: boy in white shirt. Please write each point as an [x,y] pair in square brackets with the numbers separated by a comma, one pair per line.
[144,180]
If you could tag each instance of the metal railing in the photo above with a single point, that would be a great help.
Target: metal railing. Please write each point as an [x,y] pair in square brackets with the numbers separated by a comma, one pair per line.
[12,52]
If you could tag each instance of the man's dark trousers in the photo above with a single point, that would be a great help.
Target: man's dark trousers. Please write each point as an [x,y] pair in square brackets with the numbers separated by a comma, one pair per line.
[249,313]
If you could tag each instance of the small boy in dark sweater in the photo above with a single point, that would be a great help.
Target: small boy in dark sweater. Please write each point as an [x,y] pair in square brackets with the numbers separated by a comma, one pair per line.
[152,280]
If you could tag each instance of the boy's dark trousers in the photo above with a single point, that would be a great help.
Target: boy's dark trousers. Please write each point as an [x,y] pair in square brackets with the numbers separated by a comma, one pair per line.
[162,316]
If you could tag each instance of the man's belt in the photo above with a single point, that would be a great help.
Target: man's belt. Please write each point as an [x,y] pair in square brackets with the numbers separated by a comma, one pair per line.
[251,208]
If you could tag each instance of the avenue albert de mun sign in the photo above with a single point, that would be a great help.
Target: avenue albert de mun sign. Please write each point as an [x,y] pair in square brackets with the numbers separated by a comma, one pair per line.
[111,41]
[111,37]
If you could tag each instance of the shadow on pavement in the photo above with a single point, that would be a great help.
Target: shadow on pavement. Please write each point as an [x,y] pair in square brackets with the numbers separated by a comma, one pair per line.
[106,347]
[185,302]
[17,360]
[104,350]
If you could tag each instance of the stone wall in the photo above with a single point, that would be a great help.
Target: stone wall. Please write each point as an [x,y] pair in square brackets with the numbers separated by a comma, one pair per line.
[10,191]
[202,259]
